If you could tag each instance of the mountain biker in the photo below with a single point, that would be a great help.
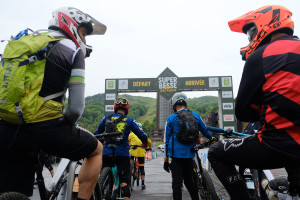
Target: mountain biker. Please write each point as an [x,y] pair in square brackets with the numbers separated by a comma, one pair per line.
[182,164]
[121,108]
[268,92]
[139,153]
[52,130]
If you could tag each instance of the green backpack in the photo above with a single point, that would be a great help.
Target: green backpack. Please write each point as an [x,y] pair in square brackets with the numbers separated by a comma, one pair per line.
[21,77]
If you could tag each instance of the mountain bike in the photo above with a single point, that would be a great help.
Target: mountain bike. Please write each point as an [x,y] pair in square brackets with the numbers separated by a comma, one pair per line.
[135,172]
[109,178]
[205,186]
[61,185]
[261,184]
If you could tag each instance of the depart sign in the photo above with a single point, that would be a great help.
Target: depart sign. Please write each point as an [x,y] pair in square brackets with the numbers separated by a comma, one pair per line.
[168,83]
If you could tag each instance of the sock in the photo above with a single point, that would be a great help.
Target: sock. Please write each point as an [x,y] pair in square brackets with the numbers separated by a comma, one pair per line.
[143,182]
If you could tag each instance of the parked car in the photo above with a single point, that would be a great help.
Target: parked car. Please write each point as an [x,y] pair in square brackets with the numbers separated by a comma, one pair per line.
[160,146]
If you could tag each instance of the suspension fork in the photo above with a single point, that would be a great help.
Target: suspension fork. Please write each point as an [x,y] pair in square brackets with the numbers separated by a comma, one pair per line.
[199,163]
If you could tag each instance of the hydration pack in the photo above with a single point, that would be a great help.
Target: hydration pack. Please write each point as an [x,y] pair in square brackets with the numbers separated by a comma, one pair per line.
[111,124]
[21,76]
[189,132]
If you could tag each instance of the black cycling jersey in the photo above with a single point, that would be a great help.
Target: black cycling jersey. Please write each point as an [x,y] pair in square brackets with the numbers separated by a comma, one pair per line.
[63,57]
[269,92]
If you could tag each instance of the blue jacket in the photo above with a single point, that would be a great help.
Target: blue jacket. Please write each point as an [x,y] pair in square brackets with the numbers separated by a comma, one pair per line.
[181,150]
[126,125]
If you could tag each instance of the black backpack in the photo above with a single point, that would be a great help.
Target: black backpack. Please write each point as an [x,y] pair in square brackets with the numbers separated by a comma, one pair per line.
[111,125]
[189,131]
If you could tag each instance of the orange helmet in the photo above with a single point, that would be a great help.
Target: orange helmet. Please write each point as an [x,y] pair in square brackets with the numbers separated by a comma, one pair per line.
[260,23]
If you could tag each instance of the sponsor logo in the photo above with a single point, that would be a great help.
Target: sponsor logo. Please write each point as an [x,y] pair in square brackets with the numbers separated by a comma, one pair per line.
[110,96]
[213,82]
[232,143]
[228,118]
[227,106]
[226,94]
[123,84]
[234,178]
[226,82]
[110,84]
[167,84]
[109,108]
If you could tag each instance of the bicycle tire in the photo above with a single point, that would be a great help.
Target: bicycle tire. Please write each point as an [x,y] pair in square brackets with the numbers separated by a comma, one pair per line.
[138,177]
[105,182]
[205,186]
[132,175]
[13,196]
[96,195]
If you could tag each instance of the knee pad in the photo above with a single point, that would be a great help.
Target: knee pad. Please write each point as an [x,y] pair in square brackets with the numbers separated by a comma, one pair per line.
[142,169]
[125,191]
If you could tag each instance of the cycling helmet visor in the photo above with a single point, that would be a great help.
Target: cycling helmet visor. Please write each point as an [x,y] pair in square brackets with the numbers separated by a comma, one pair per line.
[98,27]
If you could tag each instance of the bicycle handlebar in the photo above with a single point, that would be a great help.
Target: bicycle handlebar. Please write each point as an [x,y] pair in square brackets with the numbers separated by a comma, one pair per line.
[200,146]
[141,146]
[111,134]
[220,130]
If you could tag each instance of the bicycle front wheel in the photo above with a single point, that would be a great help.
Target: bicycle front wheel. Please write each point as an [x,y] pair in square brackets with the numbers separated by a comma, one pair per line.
[105,183]
[96,195]
[206,189]
[132,176]
[13,196]
[138,177]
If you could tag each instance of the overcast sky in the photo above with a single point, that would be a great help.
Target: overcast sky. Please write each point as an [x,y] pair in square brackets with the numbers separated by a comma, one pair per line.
[191,37]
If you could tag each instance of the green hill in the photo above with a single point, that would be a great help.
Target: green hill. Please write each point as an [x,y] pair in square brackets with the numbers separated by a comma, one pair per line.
[143,109]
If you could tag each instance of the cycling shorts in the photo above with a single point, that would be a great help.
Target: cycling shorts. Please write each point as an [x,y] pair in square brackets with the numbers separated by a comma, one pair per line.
[56,137]
[141,160]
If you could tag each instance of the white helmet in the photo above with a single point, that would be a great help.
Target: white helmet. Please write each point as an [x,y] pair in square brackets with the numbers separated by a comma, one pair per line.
[68,20]
[179,98]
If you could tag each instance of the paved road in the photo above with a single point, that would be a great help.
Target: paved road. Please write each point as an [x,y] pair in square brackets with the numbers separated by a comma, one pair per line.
[158,182]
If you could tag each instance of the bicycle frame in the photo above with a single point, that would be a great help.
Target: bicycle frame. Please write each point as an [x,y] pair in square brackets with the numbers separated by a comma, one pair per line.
[136,167]
[61,185]
[116,179]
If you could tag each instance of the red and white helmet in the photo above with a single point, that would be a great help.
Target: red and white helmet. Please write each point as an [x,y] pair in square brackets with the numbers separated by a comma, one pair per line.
[68,20]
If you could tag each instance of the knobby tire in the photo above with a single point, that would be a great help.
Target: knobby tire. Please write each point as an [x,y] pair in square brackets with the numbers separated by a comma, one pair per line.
[13,196]
[97,192]
[105,182]
[132,175]
[205,183]
[138,177]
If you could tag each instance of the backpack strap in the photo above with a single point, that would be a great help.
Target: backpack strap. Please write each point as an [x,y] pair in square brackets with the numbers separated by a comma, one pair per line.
[172,133]
[53,96]
[120,119]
